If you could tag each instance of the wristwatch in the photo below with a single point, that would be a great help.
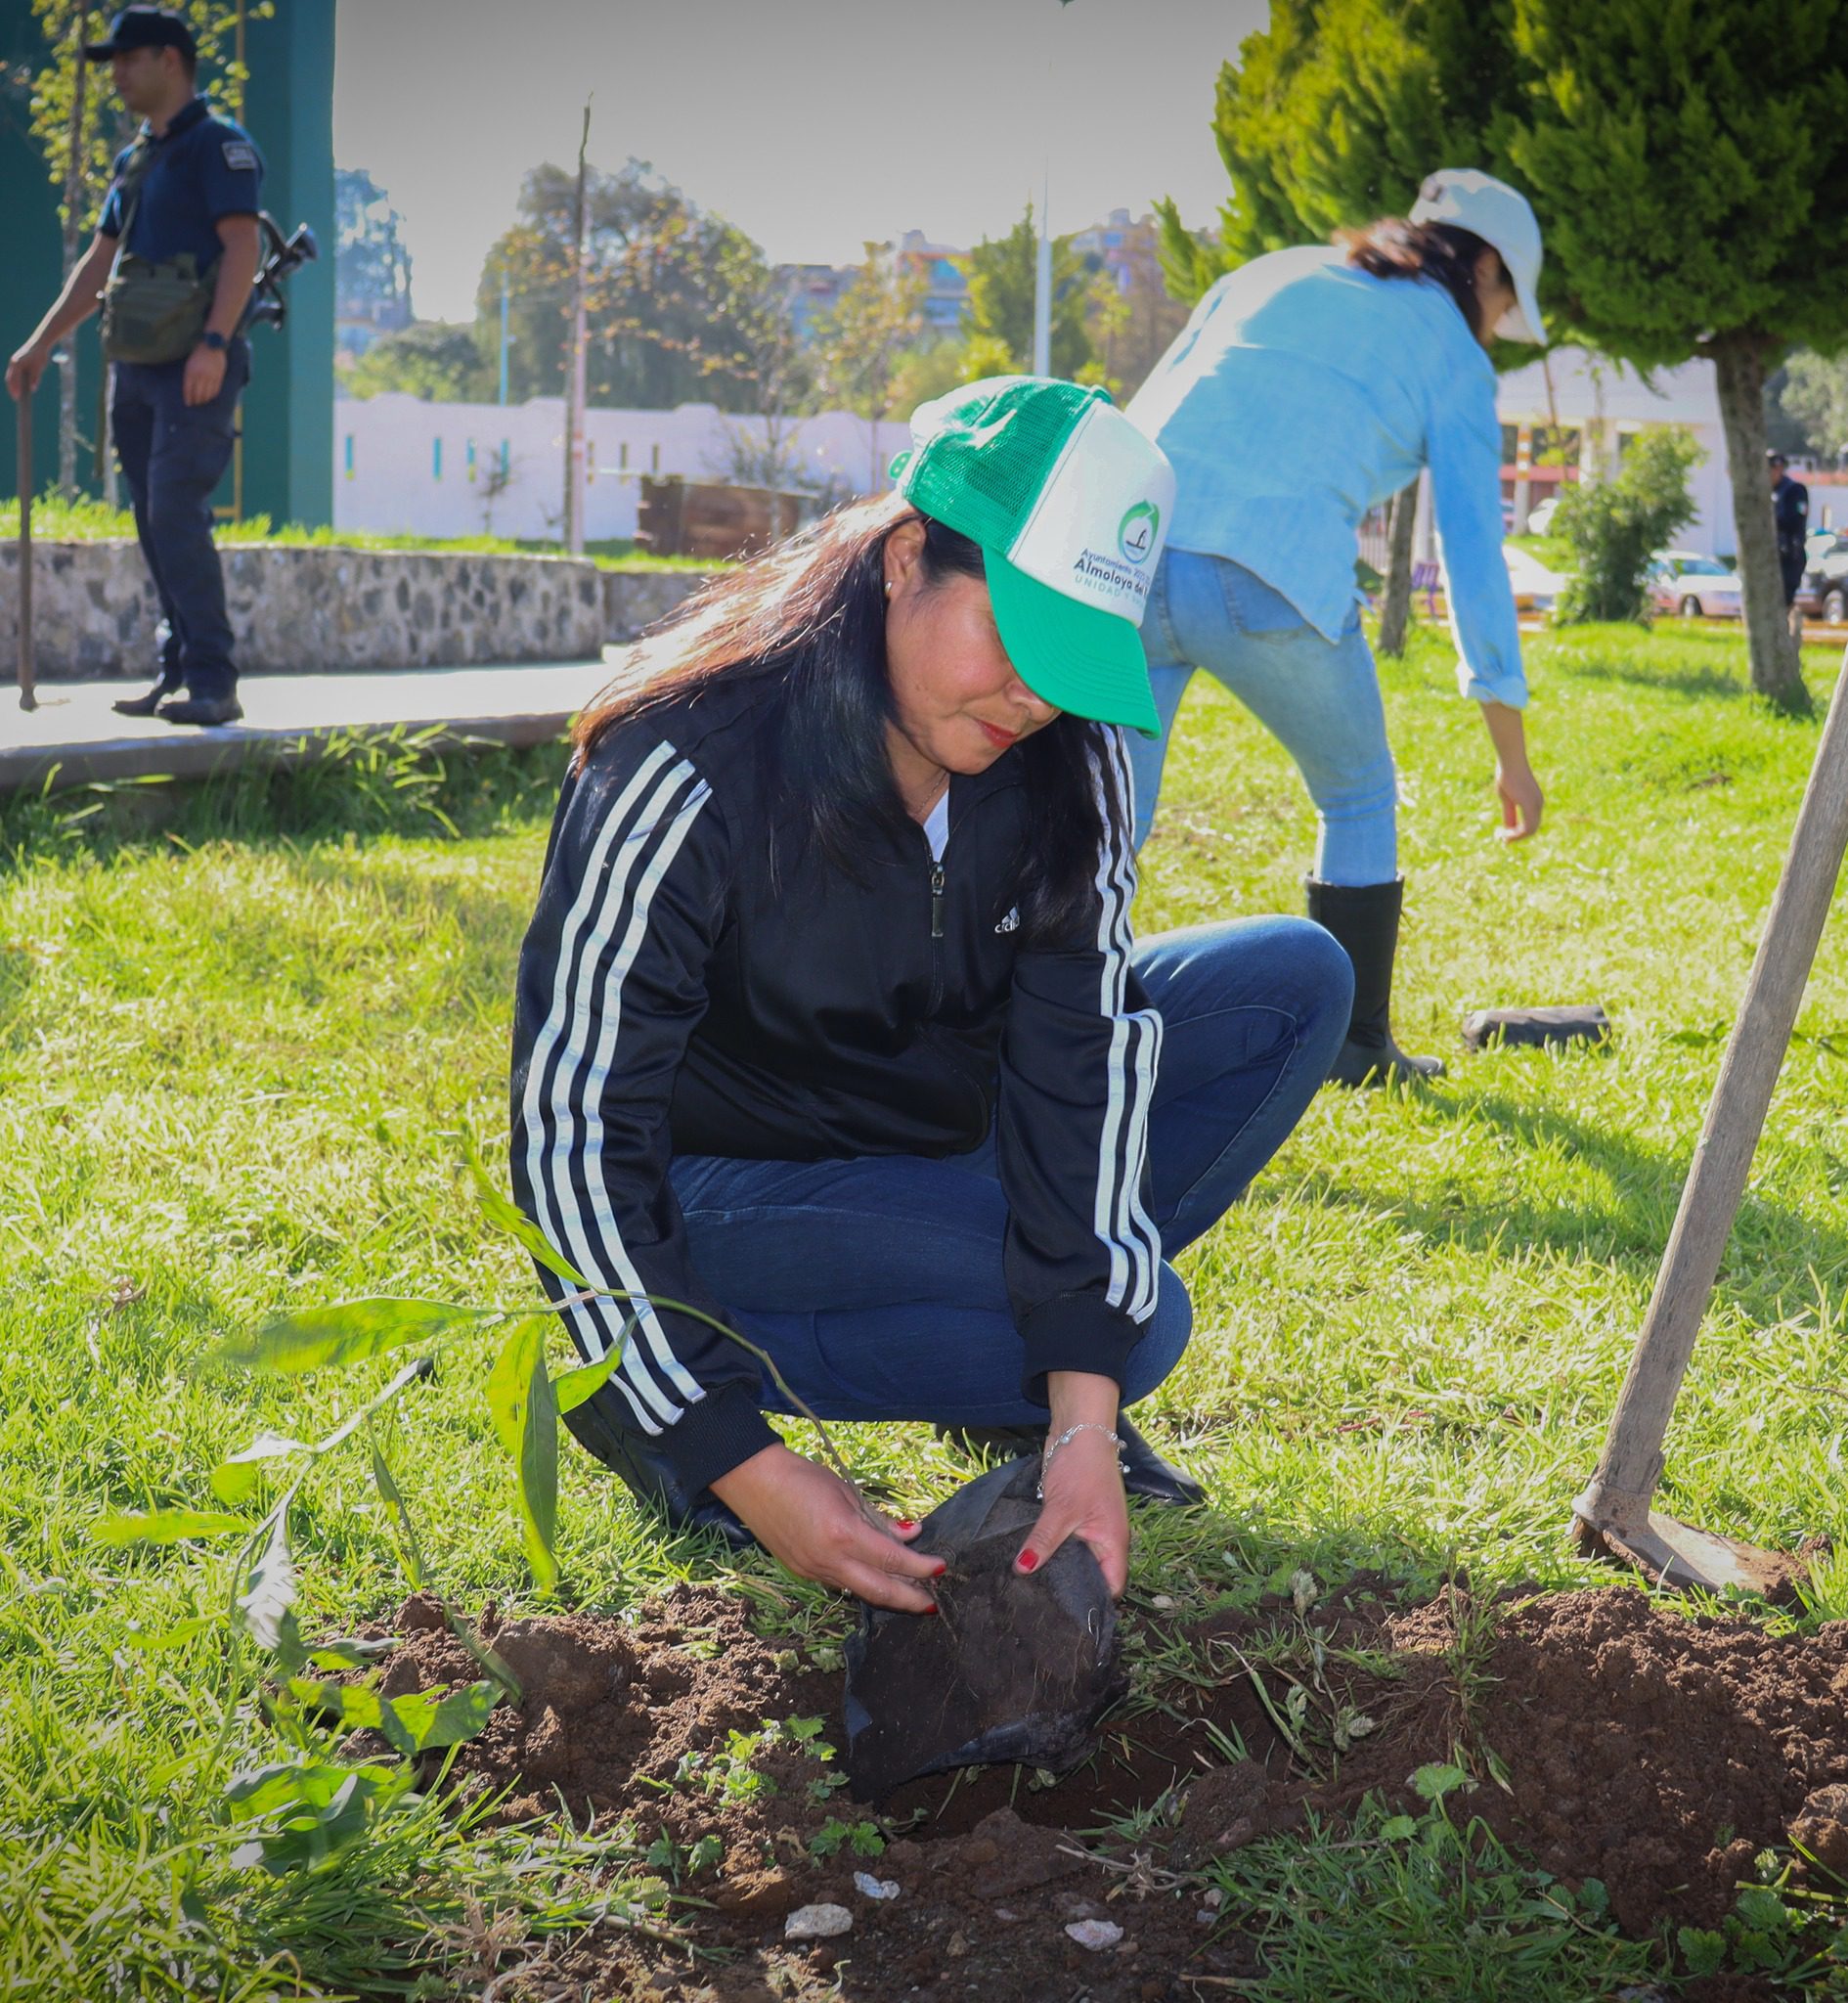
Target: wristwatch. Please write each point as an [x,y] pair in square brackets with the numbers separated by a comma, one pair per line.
[214,341]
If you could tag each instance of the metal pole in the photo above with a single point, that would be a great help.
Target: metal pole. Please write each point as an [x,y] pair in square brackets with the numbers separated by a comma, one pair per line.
[28,686]
[1042,283]
[574,384]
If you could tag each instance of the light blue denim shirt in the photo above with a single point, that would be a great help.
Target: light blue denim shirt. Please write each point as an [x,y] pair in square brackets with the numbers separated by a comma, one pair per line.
[1301,393]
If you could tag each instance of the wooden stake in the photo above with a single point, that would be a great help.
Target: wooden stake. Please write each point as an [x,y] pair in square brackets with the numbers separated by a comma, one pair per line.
[29,681]
[1614,1507]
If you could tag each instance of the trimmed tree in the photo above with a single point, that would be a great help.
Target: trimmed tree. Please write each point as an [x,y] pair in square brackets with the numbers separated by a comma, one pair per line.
[1333,117]
[1688,161]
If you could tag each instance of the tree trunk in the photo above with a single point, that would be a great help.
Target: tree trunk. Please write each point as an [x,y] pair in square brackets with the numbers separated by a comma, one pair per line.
[1395,602]
[1738,361]
[74,249]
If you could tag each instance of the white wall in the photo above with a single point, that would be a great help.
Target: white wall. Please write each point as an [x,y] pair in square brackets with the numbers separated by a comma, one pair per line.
[404,467]
[1589,389]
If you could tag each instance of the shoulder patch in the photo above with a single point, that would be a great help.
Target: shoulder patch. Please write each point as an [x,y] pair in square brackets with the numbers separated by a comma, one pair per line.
[240,156]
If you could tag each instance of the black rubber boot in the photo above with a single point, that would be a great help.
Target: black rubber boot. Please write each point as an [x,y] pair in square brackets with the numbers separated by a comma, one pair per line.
[1144,1472]
[649,1477]
[1365,918]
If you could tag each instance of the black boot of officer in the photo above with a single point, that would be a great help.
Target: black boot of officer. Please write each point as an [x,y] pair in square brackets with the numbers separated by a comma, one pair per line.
[170,680]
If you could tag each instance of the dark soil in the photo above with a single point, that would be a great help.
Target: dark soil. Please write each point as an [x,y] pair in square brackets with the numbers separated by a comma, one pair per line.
[1654,1752]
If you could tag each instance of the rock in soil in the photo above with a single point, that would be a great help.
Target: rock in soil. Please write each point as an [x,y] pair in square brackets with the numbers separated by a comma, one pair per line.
[817,1923]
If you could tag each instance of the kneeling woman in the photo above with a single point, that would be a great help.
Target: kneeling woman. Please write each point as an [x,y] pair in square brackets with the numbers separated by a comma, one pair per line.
[831,1026]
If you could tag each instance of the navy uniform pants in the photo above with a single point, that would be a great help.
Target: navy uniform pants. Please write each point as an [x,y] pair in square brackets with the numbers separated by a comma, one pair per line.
[172,458]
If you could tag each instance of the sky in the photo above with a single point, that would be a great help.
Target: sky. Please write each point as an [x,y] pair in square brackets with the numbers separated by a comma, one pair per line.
[814,125]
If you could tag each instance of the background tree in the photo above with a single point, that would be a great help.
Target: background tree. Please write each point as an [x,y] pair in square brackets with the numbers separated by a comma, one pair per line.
[81,126]
[676,303]
[860,346]
[1615,526]
[1689,181]
[1331,117]
[1816,395]
[1000,273]
[372,268]
[440,361]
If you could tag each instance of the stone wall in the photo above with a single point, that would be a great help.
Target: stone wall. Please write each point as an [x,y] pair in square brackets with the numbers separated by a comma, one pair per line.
[308,610]
[635,599]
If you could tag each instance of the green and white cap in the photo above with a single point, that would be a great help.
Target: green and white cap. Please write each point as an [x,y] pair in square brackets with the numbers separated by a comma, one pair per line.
[1070,504]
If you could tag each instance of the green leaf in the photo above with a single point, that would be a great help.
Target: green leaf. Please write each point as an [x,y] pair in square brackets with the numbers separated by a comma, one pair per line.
[236,1479]
[1396,1827]
[411,1724]
[506,1215]
[348,1332]
[1435,1781]
[1702,1950]
[571,1389]
[176,1636]
[399,1518]
[264,1607]
[165,1526]
[526,1420]
[348,1652]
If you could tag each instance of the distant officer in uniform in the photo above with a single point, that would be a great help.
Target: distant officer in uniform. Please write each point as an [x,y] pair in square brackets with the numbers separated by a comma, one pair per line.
[1791,511]
[175,252]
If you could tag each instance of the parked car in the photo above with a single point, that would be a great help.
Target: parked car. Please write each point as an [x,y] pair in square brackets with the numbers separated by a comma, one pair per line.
[1540,517]
[1695,586]
[1534,586]
[1823,592]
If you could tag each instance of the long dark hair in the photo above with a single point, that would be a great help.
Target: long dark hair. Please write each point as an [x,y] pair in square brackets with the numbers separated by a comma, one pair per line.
[1393,248]
[808,622]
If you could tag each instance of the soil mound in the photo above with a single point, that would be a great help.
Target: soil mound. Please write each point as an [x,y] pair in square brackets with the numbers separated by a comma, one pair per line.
[1652,1751]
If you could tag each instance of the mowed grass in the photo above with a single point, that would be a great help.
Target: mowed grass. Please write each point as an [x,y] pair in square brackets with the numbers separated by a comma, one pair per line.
[242,1036]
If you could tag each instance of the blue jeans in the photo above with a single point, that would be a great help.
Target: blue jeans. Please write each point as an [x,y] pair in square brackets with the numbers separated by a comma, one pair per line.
[1320,701]
[876,1283]
[172,456]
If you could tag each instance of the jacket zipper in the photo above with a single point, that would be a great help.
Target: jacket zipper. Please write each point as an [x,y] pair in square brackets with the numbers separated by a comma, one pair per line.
[937,933]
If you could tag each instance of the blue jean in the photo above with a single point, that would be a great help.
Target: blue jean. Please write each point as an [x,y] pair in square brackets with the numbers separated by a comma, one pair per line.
[172,456]
[1319,700]
[876,1283]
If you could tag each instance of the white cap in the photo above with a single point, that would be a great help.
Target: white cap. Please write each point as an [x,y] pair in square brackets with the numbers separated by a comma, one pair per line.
[1502,217]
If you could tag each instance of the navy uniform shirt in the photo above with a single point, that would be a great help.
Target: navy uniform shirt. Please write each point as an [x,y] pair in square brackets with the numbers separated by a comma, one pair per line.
[205,169]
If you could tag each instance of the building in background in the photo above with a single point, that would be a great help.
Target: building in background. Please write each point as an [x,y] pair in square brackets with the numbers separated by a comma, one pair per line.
[945,283]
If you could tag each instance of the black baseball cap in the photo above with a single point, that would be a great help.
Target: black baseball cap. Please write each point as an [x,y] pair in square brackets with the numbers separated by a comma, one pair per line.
[144,28]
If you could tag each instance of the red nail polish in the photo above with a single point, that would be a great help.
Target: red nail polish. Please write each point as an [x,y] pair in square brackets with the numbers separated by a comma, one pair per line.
[943,1566]
[932,1607]
[905,1522]
[1029,1561]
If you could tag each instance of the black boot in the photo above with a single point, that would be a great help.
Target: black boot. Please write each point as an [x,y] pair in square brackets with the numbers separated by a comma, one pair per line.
[649,1477]
[146,705]
[1365,918]
[1144,1472]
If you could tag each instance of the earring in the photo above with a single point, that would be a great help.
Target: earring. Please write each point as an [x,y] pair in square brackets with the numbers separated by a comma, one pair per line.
[888,587]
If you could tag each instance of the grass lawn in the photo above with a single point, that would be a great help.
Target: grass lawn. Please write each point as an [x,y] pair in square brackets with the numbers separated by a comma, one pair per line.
[237,1055]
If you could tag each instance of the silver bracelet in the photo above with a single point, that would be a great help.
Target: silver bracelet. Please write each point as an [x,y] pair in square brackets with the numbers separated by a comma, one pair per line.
[1069,1434]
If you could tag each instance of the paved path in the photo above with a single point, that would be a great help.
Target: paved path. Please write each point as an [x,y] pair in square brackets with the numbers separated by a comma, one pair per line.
[75,736]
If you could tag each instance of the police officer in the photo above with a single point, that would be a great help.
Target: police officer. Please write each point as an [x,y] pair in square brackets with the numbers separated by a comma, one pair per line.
[1790,512]
[175,252]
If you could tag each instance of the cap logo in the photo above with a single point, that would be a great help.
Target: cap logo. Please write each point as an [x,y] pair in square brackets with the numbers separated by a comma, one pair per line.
[1138,531]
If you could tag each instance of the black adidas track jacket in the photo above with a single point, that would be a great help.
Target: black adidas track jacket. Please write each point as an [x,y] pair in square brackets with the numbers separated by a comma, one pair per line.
[673,999]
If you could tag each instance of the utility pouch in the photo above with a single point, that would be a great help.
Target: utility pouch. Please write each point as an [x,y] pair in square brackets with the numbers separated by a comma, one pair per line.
[155,311]
[151,312]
